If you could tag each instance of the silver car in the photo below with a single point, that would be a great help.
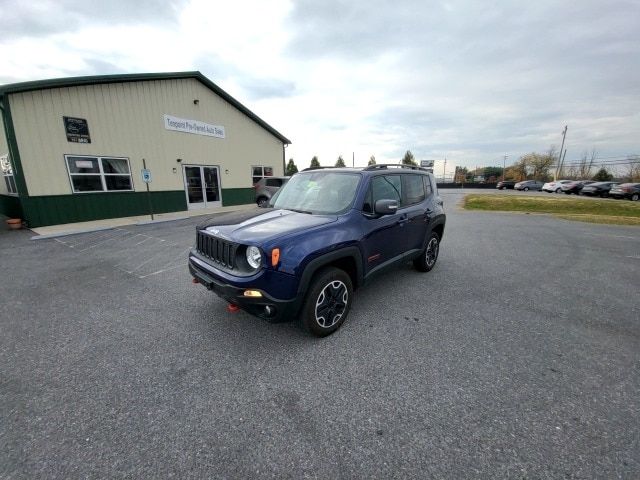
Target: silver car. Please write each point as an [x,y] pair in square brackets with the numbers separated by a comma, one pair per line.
[529,185]
[267,188]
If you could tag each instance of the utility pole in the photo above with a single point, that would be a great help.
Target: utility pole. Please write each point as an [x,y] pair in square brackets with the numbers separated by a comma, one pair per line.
[444,171]
[504,165]
[353,159]
[564,155]
[564,134]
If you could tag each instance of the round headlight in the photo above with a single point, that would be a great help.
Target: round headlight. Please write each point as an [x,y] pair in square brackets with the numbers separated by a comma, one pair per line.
[254,257]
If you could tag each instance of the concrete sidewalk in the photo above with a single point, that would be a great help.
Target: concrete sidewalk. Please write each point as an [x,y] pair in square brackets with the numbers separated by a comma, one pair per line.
[105,224]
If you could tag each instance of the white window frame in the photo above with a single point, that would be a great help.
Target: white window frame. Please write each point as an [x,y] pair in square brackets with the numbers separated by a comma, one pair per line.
[101,173]
[262,175]
[7,175]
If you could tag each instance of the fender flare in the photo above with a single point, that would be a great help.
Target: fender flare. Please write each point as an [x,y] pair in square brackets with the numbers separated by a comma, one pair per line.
[317,263]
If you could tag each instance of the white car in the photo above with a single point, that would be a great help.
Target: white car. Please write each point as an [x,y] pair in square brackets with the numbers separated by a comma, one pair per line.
[554,186]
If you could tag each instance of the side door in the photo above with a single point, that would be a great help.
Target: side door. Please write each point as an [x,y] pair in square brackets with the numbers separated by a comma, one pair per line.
[417,208]
[384,240]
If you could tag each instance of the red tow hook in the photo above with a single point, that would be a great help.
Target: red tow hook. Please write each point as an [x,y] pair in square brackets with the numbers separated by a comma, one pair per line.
[231,308]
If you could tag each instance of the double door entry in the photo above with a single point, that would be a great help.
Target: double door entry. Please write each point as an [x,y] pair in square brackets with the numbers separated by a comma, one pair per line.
[202,185]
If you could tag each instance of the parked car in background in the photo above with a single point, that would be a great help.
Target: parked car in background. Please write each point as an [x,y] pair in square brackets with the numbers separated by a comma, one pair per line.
[505,185]
[598,189]
[267,188]
[555,186]
[528,185]
[575,186]
[626,190]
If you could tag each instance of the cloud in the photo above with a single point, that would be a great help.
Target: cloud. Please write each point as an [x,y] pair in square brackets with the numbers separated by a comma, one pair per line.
[45,17]
[454,78]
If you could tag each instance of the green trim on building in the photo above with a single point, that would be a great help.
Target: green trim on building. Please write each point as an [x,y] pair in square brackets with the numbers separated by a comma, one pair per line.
[57,209]
[238,196]
[139,77]
[10,206]
[12,143]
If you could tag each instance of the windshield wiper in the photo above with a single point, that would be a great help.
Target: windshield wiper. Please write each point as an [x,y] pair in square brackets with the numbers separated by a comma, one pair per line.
[300,211]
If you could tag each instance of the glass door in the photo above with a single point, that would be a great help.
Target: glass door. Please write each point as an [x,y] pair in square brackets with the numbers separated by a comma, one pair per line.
[202,186]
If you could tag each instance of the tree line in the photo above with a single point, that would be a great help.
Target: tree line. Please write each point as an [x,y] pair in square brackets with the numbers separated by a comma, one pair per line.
[407,159]
[531,166]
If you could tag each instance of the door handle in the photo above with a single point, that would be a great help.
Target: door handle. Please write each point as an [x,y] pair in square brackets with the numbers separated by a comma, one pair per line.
[403,219]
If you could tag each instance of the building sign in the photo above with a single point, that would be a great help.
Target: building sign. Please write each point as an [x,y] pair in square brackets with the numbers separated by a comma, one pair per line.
[77,130]
[427,163]
[193,126]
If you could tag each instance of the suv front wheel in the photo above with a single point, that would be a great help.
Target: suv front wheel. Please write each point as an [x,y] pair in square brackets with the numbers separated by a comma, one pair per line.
[427,259]
[328,302]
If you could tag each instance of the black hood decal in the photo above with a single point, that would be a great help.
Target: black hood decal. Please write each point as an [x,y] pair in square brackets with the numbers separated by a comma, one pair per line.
[232,218]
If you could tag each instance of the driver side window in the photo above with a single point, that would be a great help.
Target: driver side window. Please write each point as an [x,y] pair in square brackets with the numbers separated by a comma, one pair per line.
[388,187]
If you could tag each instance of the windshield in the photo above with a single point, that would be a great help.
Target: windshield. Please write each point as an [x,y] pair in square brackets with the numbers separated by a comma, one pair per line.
[322,193]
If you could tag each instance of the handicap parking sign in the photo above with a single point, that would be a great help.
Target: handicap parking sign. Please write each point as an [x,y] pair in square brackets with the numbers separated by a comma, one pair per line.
[146,175]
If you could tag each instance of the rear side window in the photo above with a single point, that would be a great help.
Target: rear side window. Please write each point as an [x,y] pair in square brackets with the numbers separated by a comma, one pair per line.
[413,188]
[427,185]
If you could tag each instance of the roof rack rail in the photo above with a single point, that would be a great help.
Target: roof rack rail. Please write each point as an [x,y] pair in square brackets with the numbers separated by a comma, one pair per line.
[385,166]
[314,168]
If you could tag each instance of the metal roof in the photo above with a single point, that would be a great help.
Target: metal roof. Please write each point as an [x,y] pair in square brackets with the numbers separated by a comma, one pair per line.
[138,77]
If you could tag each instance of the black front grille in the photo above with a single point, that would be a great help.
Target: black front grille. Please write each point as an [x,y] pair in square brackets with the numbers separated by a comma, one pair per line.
[220,251]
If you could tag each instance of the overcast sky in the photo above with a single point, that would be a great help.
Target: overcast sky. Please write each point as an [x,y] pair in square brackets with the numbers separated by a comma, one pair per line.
[469,81]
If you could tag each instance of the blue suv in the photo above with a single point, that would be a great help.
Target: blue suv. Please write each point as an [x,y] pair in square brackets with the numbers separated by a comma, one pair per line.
[324,234]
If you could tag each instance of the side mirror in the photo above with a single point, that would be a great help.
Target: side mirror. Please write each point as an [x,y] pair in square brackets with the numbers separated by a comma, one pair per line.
[386,207]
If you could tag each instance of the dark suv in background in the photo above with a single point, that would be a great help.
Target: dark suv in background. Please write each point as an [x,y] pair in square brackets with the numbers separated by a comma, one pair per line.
[326,233]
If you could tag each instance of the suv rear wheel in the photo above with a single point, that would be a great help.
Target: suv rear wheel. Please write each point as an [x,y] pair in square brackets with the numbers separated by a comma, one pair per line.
[263,201]
[328,302]
[427,259]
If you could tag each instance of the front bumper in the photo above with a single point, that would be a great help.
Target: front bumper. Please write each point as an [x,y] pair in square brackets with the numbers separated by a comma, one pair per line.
[266,307]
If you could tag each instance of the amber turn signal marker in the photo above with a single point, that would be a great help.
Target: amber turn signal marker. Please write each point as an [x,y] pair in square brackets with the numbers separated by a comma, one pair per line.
[252,293]
[275,256]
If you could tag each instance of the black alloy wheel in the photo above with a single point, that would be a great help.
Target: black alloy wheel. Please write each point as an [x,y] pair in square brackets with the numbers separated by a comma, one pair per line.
[328,302]
[427,259]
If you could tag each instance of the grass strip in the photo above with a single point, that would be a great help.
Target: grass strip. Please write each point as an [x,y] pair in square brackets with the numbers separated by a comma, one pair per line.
[619,212]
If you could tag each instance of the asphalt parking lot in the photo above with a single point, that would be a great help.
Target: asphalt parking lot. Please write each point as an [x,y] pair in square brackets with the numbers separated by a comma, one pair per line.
[518,356]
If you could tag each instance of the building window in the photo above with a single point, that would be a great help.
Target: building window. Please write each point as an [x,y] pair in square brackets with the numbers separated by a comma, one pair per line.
[99,174]
[7,174]
[259,172]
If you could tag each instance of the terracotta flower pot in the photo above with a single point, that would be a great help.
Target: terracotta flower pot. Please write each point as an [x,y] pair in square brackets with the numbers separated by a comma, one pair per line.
[14,223]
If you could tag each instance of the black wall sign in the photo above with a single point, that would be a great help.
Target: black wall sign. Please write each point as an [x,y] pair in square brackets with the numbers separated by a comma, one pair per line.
[77,130]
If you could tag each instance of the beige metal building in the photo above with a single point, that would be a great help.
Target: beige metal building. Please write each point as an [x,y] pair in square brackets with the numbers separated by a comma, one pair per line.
[75,149]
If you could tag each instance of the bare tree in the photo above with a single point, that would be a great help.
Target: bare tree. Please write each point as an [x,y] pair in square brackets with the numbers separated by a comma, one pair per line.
[586,164]
[372,160]
[537,165]
[632,173]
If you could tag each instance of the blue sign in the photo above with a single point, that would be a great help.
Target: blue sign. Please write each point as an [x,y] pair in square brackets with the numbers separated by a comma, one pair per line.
[146,175]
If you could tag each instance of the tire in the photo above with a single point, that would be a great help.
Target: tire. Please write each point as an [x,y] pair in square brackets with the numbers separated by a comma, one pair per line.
[635,197]
[429,256]
[262,201]
[526,189]
[558,190]
[327,303]
[604,195]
